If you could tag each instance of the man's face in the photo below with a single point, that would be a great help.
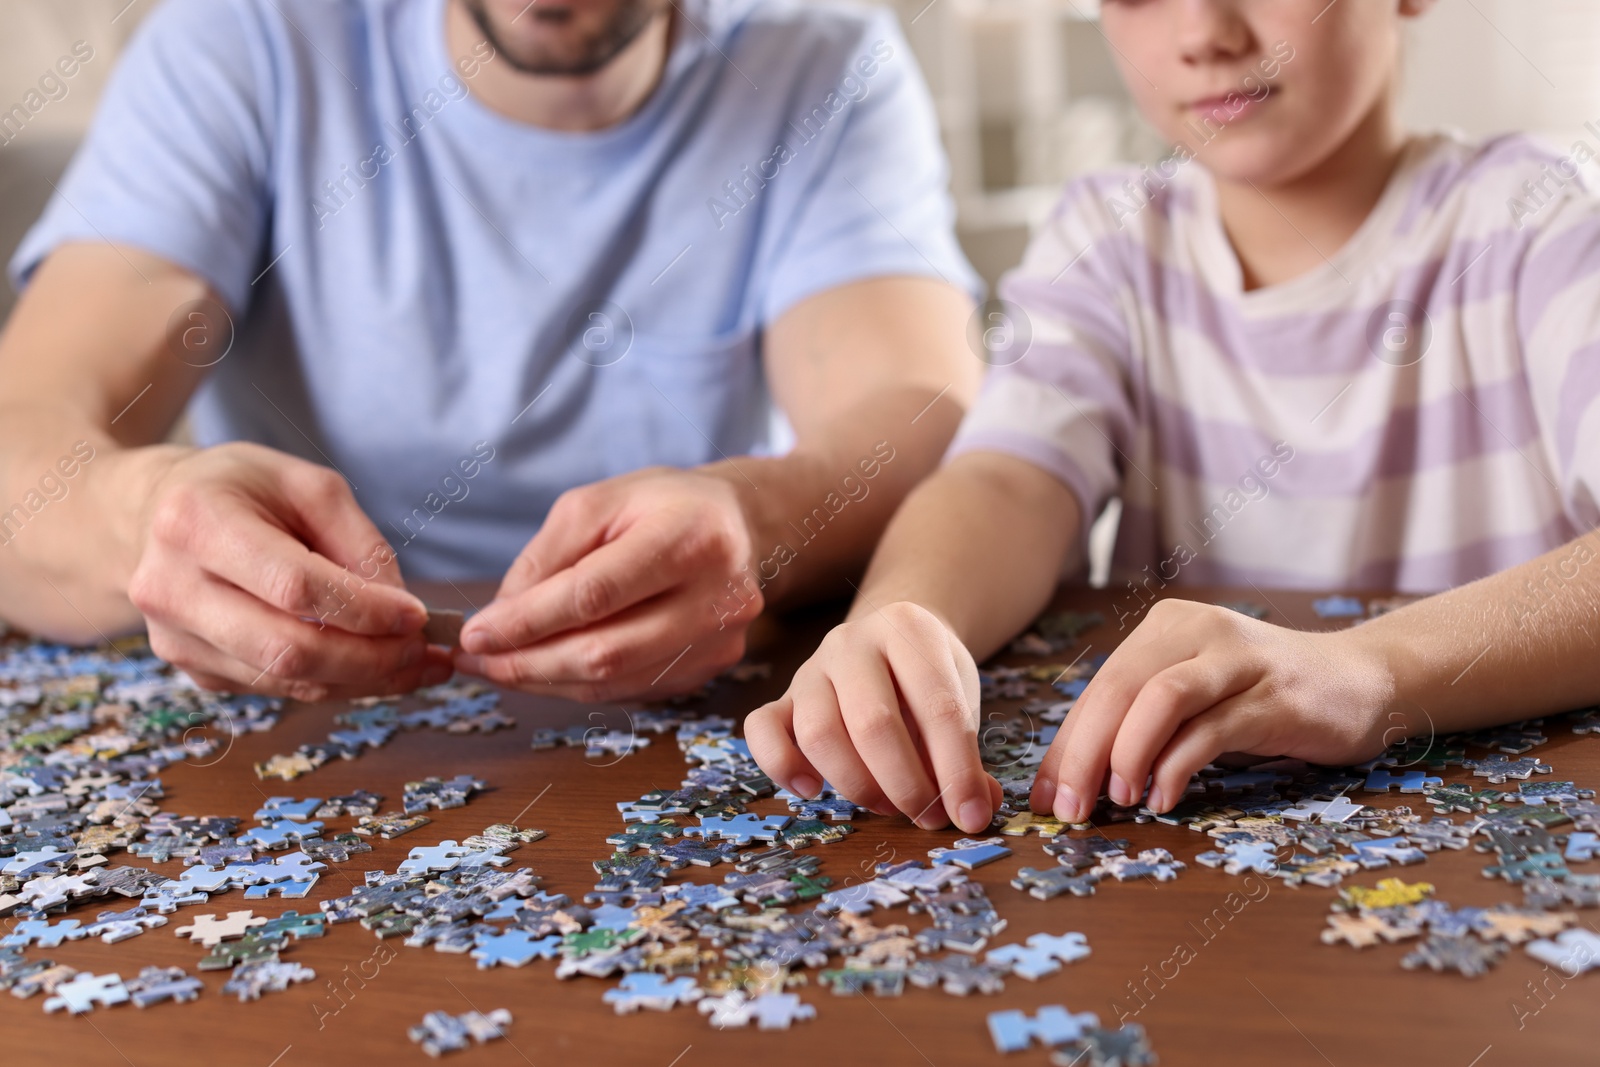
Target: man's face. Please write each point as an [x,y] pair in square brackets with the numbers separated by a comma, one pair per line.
[569,37]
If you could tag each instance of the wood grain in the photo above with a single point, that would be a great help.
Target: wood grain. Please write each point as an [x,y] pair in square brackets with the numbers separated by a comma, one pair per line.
[1230,970]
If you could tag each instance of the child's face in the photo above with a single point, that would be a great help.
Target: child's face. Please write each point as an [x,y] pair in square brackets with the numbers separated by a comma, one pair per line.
[1259,90]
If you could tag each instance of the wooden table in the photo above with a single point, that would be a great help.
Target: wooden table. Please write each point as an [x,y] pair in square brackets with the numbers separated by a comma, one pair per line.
[1230,968]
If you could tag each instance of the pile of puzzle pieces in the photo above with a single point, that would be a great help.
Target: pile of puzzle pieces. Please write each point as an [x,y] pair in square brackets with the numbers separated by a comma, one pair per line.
[700,903]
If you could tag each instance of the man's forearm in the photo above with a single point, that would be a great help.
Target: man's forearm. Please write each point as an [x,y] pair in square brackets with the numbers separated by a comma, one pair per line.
[980,544]
[816,513]
[1516,645]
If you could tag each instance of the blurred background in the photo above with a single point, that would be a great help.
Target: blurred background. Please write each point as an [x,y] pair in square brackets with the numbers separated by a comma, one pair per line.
[1026,90]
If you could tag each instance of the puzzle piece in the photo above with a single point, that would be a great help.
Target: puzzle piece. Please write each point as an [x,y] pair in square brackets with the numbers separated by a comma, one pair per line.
[43,934]
[1497,767]
[1126,1046]
[277,809]
[1514,925]
[1581,847]
[1572,952]
[1053,882]
[210,931]
[442,1032]
[956,975]
[155,985]
[1338,810]
[1051,1026]
[1028,823]
[653,991]
[1155,863]
[1466,955]
[1240,857]
[770,1011]
[968,853]
[514,948]
[1388,893]
[87,991]
[740,829]
[1407,781]
[1042,954]
[1362,931]
[1338,607]
[441,857]
[255,977]
[114,926]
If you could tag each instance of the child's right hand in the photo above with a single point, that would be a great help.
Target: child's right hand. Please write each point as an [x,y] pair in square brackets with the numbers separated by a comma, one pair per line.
[885,711]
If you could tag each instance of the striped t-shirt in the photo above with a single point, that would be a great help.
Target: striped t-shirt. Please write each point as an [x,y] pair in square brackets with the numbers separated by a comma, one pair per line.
[1418,411]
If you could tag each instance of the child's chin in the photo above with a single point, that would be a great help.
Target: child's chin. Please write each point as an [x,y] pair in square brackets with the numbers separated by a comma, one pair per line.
[1261,161]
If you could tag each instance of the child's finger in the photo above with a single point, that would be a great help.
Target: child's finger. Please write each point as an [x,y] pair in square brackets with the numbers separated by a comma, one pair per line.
[769,732]
[877,726]
[1195,744]
[935,693]
[1076,763]
[820,731]
[1166,702]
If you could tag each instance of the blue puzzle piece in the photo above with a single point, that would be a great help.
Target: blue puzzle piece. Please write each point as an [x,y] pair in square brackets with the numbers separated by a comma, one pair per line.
[1052,1025]
[968,853]
[1338,607]
[654,991]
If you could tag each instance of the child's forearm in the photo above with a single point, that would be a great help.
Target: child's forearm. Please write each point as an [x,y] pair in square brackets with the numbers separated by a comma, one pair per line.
[980,544]
[1515,645]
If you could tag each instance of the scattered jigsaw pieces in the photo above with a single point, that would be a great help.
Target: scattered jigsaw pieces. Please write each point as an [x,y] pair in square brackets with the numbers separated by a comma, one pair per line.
[441,1032]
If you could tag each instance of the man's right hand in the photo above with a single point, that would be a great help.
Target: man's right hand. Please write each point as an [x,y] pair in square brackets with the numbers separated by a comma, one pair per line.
[258,572]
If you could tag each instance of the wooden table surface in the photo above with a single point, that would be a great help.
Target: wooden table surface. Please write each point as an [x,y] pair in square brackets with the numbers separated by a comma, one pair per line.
[1252,985]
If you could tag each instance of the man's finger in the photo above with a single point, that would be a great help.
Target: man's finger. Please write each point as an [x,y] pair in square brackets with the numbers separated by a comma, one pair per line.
[290,648]
[577,524]
[612,578]
[239,546]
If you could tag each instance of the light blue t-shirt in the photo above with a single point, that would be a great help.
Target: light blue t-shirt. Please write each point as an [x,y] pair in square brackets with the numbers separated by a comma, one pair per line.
[423,287]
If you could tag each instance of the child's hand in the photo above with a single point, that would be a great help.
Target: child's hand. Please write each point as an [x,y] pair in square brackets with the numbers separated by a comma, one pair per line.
[886,711]
[1194,681]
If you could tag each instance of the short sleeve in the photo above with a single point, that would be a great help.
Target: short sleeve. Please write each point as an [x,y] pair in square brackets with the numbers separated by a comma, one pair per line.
[880,203]
[176,160]
[1558,323]
[1058,395]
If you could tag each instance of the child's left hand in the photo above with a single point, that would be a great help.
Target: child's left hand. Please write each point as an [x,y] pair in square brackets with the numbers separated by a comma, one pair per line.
[1194,681]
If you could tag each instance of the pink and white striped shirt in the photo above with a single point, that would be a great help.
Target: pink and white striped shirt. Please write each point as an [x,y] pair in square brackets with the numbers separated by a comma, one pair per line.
[1417,412]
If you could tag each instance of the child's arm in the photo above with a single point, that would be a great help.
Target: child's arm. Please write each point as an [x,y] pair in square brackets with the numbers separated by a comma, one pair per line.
[1195,681]
[969,560]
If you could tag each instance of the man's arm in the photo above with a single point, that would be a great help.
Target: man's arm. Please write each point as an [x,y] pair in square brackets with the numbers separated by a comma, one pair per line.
[224,552]
[646,583]
[874,377]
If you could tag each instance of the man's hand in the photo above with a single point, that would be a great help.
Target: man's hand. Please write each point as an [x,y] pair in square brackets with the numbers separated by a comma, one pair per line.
[624,592]
[258,572]
[886,712]
[1194,681]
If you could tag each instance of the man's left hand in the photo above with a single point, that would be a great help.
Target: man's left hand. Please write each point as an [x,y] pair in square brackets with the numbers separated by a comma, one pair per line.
[623,593]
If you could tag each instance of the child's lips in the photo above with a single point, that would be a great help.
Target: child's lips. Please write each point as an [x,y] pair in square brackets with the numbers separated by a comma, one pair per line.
[1230,106]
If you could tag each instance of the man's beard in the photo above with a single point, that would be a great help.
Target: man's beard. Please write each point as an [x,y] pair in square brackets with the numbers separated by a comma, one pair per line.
[628,19]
